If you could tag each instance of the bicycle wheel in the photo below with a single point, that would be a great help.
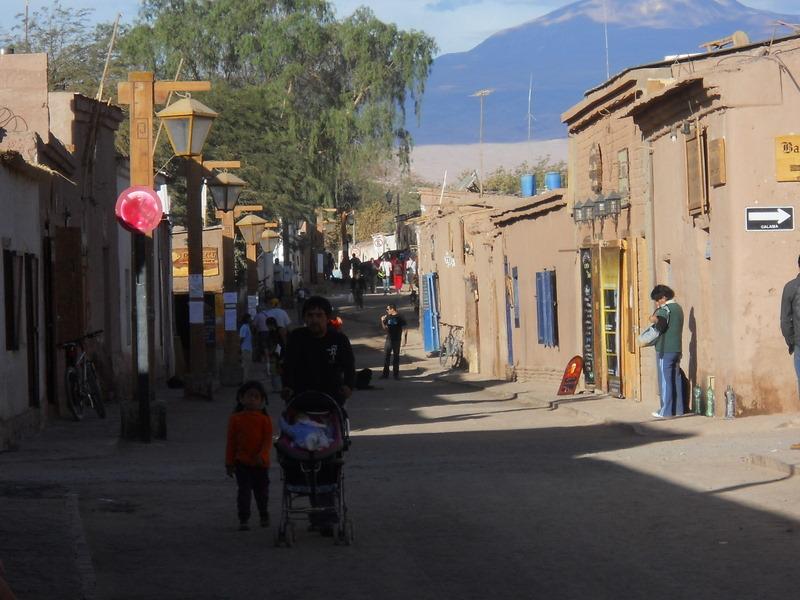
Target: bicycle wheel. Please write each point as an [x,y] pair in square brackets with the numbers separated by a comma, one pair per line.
[444,352]
[456,355]
[93,388]
[72,388]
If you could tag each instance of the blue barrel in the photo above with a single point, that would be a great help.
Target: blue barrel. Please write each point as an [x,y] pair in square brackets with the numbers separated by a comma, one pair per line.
[527,184]
[552,180]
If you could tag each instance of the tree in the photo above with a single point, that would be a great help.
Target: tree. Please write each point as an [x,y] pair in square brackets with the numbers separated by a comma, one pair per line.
[76,52]
[309,101]
[508,182]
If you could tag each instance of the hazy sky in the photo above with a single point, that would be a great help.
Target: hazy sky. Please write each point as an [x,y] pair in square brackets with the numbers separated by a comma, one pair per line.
[457,25]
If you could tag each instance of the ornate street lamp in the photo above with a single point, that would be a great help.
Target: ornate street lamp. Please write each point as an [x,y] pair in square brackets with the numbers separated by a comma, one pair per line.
[600,207]
[188,123]
[225,188]
[589,210]
[578,212]
[251,227]
[270,240]
[614,202]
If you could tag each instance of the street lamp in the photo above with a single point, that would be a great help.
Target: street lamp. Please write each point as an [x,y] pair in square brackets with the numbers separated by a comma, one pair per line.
[481,94]
[589,210]
[270,240]
[578,212]
[188,123]
[614,201]
[601,207]
[251,228]
[225,188]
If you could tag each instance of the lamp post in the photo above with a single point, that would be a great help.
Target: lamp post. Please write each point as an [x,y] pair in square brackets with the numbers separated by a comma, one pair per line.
[269,241]
[141,92]
[225,189]
[188,122]
[251,228]
[481,94]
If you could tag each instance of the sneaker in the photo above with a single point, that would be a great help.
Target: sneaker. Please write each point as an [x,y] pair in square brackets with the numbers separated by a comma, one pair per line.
[244,527]
[265,521]
[657,415]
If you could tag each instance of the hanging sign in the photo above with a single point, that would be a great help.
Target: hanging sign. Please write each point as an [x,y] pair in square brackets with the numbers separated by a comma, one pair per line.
[569,382]
[587,315]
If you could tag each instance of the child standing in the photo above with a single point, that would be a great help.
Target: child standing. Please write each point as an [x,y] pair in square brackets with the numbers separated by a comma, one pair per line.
[247,451]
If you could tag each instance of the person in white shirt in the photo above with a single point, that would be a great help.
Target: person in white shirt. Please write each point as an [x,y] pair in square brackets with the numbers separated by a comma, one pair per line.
[386,270]
[281,318]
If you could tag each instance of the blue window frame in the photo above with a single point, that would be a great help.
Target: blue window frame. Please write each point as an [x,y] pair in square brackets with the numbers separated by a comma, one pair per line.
[546,308]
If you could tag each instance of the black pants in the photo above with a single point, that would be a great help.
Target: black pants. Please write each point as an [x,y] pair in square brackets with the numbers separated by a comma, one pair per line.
[255,481]
[391,346]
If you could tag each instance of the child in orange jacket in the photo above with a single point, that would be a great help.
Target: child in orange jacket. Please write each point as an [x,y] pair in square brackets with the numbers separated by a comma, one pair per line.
[247,451]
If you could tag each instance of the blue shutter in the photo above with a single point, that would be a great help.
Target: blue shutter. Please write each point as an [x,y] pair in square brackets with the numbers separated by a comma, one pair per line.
[430,312]
[547,317]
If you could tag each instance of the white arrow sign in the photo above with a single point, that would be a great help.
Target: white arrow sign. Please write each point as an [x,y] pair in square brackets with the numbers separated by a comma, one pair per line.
[776,216]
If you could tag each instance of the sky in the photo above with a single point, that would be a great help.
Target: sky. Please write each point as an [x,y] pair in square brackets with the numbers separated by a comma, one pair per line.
[456,25]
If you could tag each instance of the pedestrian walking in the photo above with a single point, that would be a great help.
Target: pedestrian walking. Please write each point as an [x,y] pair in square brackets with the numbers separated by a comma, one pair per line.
[385,273]
[319,358]
[281,317]
[668,320]
[395,326]
[790,320]
[277,278]
[274,348]
[246,345]
[261,333]
[247,451]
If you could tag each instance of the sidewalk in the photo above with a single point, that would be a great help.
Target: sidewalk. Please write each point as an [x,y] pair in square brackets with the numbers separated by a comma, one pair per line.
[762,440]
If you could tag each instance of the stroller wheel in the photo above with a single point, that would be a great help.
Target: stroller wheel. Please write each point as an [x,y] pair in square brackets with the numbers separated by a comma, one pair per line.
[344,534]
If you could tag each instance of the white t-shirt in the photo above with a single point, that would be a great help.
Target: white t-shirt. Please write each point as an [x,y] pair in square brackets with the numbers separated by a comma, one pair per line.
[281,317]
[246,337]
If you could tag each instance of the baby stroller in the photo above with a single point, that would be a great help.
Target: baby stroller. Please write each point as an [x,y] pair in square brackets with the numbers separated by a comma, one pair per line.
[314,436]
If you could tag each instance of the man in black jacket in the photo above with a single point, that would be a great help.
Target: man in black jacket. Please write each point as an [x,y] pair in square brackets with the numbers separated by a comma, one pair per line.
[790,319]
[318,358]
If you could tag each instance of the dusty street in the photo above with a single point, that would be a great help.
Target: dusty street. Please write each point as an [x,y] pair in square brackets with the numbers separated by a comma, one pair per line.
[454,493]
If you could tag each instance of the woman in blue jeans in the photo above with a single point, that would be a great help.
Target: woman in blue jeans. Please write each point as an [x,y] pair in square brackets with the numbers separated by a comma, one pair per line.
[668,319]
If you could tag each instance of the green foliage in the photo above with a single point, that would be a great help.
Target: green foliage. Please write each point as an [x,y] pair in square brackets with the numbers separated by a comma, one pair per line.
[506,182]
[76,53]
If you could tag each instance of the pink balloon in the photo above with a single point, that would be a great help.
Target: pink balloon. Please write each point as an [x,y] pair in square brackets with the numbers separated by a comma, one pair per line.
[139,209]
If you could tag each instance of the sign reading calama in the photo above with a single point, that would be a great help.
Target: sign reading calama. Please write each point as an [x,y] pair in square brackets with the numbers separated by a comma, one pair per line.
[769,218]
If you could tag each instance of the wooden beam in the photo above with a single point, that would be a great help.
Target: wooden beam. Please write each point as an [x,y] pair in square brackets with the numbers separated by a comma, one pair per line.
[161,89]
[222,164]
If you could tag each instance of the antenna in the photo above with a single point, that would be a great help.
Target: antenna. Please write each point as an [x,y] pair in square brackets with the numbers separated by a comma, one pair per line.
[530,114]
[605,31]
[481,94]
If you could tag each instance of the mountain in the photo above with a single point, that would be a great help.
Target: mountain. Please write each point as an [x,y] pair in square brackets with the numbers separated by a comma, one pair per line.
[565,52]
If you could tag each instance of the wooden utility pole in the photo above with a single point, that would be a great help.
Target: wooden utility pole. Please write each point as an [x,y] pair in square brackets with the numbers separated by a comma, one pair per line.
[141,92]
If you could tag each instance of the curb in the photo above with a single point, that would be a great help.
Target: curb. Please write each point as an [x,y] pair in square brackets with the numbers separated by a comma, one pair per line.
[773,464]
[442,376]
[83,559]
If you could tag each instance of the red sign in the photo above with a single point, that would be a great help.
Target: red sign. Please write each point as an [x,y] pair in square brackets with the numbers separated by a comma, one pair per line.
[571,376]
[139,209]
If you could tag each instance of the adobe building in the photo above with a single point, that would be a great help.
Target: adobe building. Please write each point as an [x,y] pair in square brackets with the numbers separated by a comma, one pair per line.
[501,270]
[686,173]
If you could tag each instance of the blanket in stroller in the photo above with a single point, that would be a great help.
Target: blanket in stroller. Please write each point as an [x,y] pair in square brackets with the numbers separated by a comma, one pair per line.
[310,430]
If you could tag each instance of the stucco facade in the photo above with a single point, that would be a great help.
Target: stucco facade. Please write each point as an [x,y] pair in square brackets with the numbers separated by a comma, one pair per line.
[703,139]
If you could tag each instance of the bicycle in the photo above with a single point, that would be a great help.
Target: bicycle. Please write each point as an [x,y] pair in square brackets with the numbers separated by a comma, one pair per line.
[80,379]
[451,353]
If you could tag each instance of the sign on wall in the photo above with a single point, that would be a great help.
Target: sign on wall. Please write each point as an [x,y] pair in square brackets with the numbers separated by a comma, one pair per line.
[587,315]
[769,218]
[180,262]
[787,158]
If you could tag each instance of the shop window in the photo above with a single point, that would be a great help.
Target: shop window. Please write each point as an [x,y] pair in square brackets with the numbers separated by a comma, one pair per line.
[546,308]
[697,172]
[12,290]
